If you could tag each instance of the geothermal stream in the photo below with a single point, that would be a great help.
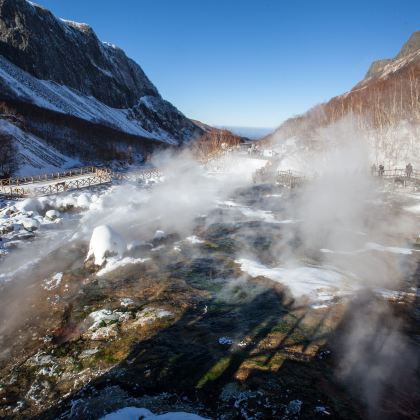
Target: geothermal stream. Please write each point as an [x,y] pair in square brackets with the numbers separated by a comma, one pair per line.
[187,293]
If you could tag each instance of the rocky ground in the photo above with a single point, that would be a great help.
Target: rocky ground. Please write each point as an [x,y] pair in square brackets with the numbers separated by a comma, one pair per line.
[179,326]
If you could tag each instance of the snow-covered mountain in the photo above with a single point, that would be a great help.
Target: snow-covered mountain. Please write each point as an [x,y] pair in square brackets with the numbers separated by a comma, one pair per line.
[81,96]
[384,108]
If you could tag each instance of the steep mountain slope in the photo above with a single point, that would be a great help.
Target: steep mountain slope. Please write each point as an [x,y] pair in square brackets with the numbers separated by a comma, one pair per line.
[51,67]
[384,108]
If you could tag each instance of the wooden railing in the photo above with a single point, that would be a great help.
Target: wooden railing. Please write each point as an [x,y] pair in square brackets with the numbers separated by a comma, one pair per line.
[137,175]
[50,176]
[65,181]
[398,172]
[89,176]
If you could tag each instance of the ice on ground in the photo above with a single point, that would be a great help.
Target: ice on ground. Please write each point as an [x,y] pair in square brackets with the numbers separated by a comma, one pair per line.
[105,242]
[256,214]
[392,294]
[371,246]
[392,249]
[135,413]
[265,216]
[194,239]
[413,209]
[319,284]
[126,302]
[104,316]
[114,263]
[150,315]
[53,282]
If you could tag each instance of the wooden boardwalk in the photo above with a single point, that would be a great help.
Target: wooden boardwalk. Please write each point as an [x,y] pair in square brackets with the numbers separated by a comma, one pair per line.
[75,179]
[399,175]
[292,179]
[54,183]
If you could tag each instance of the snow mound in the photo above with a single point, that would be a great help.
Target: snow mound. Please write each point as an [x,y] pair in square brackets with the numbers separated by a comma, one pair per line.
[159,235]
[52,214]
[29,204]
[105,242]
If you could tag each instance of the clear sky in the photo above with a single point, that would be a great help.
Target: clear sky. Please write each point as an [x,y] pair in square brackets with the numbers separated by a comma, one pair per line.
[249,62]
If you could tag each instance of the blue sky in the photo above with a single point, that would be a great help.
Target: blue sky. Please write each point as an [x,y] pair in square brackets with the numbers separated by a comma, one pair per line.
[250,63]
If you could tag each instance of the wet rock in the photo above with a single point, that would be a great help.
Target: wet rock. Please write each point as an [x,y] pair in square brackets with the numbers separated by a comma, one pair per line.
[294,407]
[6,228]
[321,410]
[225,341]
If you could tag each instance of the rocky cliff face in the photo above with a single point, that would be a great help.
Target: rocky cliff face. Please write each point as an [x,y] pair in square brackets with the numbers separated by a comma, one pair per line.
[69,54]
[409,53]
[63,68]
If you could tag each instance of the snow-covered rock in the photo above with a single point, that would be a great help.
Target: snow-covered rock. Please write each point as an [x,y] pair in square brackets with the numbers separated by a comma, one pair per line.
[105,242]
[102,316]
[52,214]
[30,225]
[159,235]
[30,204]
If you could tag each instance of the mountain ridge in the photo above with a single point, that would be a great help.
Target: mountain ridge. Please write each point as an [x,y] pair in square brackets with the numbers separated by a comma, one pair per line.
[384,108]
[51,66]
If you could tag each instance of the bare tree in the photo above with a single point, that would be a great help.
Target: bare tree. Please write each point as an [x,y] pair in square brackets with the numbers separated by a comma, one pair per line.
[8,156]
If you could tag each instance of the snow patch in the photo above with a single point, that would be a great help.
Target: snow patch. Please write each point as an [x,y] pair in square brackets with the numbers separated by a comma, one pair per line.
[319,284]
[114,263]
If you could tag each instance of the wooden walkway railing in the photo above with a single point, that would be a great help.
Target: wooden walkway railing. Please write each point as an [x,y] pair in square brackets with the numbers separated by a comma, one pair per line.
[399,173]
[58,182]
[54,183]
[293,179]
[48,177]
[143,175]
